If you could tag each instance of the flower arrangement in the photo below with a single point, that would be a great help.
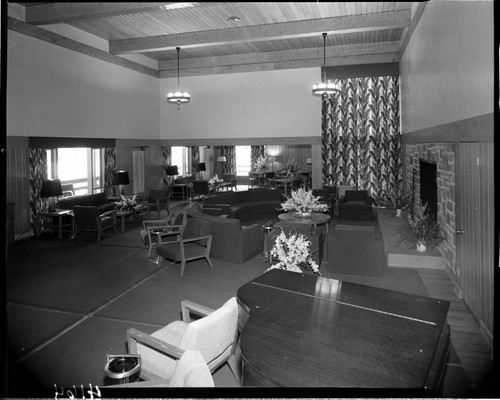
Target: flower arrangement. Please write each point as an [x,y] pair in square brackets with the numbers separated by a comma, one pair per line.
[127,203]
[304,203]
[261,163]
[215,180]
[421,229]
[293,253]
[290,169]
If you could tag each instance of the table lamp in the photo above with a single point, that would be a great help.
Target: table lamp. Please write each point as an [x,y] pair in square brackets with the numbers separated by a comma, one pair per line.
[51,189]
[121,179]
[172,171]
[201,167]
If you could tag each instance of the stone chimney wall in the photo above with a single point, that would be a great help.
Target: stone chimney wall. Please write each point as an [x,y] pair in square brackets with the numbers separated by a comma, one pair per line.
[443,154]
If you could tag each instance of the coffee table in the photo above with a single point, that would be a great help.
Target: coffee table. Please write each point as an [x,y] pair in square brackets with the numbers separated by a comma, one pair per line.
[43,218]
[123,214]
[315,219]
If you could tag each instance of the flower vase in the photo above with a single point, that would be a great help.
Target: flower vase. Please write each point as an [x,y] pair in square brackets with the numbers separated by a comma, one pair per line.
[421,247]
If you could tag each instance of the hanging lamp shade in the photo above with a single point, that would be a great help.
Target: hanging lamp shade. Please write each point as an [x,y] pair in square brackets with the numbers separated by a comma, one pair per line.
[324,87]
[178,96]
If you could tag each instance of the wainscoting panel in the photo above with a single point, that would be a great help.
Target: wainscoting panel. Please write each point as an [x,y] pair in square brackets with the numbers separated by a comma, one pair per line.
[475,230]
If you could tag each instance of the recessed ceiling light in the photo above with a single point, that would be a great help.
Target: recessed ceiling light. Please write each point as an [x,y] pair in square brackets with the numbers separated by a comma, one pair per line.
[233,19]
[176,6]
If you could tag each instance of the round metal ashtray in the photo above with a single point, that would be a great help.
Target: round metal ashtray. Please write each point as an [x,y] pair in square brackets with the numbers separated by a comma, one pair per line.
[158,230]
[119,367]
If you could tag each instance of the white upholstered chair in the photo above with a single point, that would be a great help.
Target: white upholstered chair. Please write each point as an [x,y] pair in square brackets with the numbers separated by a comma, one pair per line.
[214,335]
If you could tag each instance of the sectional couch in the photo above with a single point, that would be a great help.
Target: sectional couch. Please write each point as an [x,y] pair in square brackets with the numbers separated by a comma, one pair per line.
[249,205]
[99,200]
[231,241]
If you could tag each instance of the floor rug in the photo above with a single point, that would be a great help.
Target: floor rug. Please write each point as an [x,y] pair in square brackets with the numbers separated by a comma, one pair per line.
[344,255]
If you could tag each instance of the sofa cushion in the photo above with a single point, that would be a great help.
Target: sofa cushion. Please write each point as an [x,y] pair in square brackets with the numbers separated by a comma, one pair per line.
[185,180]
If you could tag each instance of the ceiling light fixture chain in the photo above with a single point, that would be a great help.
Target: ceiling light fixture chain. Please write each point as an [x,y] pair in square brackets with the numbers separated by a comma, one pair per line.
[178,96]
[325,87]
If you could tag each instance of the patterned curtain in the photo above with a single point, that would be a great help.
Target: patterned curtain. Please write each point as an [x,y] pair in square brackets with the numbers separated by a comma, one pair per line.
[109,169]
[166,159]
[38,172]
[229,167]
[195,159]
[255,153]
[361,143]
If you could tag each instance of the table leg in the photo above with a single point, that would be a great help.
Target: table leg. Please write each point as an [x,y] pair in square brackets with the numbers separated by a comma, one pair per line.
[60,226]
[123,222]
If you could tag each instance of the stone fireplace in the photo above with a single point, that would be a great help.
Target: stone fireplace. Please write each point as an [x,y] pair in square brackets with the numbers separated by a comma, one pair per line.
[423,161]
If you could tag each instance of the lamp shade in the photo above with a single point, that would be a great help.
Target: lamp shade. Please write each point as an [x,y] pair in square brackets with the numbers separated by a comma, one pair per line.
[221,159]
[202,167]
[308,160]
[172,170]
[121,178]
[51,188]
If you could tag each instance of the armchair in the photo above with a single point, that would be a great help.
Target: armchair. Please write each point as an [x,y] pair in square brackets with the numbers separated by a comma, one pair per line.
[201,188]
[355,205]
[87,218]
[158,199]
[155,229]
[194,242]
[232,180]
[214,336]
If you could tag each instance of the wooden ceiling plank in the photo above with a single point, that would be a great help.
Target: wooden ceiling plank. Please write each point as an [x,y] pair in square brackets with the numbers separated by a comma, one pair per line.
[54,13]
[398,19]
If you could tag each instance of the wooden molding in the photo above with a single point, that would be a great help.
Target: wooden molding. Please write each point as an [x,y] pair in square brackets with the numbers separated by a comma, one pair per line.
[475,129]
[303,140]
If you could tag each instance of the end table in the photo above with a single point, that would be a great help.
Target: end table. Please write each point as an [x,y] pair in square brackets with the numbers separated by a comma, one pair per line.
[42,219]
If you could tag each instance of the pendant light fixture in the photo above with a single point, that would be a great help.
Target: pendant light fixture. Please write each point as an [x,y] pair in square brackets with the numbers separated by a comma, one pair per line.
[178,96]
[325,87]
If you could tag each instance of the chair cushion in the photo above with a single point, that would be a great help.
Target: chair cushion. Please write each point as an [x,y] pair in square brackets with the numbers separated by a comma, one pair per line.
[356,195]
[173,251]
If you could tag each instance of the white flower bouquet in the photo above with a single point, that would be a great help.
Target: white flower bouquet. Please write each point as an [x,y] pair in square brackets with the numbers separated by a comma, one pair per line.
[215,180]
[127,203]
[304,203]
[293,253]
[261,163]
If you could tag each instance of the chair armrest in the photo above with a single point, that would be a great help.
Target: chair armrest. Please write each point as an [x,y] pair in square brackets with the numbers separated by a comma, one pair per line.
[111,213]
[188,307]
[195,239]
[134,336]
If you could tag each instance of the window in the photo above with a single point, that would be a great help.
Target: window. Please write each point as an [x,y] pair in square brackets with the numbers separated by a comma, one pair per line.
[180,158]
[81,167]
[243,160]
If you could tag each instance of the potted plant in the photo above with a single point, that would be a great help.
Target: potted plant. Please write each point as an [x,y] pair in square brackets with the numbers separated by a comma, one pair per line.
[398,200]
[293,253]
[421,230]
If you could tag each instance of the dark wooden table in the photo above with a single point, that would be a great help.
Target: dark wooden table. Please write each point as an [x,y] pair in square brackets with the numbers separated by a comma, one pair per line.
[306,330]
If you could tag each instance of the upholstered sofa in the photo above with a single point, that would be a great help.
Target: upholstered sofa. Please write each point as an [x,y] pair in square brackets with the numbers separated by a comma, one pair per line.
[99,200]
[356,205]
[248,205]
[181,189]
[230,240]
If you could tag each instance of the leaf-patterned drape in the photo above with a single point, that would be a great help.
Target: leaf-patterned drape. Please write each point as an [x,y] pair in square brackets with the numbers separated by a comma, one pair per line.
[166,159]
[255,153]
[195,159]
[229,166]
[109,169]
[38,172]
[361,136]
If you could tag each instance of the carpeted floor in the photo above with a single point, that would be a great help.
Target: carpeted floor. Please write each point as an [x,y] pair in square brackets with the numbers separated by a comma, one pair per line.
[70,302]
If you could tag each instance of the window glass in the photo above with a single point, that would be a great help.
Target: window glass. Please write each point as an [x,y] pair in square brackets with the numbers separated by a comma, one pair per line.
[180,158]
[243,160]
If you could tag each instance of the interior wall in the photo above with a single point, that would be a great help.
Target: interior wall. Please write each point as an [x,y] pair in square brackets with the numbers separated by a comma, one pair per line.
[266,104]
[53,91]
[447,68]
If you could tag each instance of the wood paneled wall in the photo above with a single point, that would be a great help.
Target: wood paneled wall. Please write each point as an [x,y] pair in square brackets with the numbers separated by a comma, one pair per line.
[283,153]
